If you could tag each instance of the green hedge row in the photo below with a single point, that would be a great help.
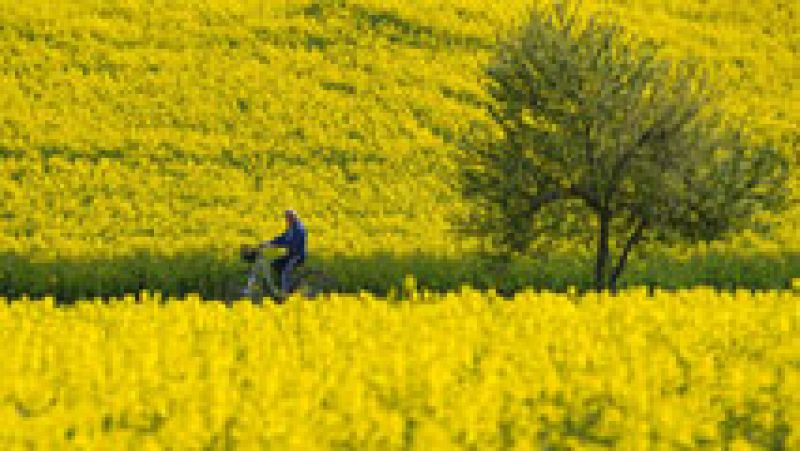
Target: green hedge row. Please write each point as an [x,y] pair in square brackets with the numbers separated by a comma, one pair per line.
[207,274]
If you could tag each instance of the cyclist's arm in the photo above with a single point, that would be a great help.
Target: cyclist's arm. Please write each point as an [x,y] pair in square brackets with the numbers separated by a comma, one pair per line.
[279,241]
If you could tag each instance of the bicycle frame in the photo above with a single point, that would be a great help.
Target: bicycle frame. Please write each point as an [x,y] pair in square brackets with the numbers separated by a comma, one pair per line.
[307,281]
[263,272]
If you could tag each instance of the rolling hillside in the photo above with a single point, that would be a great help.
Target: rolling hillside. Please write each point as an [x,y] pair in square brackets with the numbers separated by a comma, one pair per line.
[187,127]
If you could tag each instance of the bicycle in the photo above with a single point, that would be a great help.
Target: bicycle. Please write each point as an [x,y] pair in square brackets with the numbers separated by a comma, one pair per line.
[307,280]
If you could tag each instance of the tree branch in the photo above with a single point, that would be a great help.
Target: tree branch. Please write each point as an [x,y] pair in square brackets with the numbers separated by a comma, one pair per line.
[616,170]
[539,201]
[635,237]
[651,132]
[591,200]
[588,147]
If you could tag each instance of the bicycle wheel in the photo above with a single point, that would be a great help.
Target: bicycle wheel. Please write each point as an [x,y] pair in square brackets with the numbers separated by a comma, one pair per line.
[235,291]
[310,283]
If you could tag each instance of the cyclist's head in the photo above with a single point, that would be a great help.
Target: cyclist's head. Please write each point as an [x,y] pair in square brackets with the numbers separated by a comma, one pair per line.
[291,216]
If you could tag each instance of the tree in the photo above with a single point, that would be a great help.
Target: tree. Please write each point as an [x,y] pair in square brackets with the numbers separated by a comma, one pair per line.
[594,137]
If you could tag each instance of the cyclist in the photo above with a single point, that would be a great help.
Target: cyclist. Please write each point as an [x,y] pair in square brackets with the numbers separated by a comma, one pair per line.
[294,240]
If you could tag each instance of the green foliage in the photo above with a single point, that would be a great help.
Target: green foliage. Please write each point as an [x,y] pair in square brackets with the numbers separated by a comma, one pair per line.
[203,273]
[596,137]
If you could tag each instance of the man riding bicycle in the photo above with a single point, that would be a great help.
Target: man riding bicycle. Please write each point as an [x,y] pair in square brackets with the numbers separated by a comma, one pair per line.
[294,240]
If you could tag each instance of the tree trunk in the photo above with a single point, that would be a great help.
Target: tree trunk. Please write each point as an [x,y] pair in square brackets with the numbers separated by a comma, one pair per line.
[635,237]
[602,252]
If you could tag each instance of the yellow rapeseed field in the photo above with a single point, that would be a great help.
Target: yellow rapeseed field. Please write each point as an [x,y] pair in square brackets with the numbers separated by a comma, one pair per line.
[690,369]
[188,126]
[184,125]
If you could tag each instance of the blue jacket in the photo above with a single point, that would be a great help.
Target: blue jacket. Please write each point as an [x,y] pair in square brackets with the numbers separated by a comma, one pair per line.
[293,239]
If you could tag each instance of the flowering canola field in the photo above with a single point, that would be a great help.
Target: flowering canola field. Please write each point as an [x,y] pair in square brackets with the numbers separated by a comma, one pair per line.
[175,126]
[187,126]
[691,369]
